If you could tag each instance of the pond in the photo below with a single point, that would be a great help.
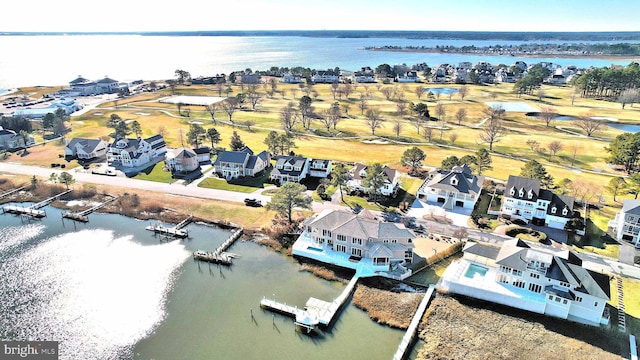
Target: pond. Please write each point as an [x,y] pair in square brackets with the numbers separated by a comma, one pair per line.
[615,125]
[442,91]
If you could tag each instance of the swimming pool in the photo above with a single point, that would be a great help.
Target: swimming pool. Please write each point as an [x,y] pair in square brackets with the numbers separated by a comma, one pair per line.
[474,270]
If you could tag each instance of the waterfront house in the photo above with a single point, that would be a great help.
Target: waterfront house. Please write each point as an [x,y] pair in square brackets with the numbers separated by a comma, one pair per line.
[524,200]
[289,168]
[241,163]
[365,75]
[359,172]
[182,160]
[325,77]
[408,77]
[86,149]
[132,153]
[250,78]
[530,276]
[290,78]
[505,76]
[626,225]
[457,187]
[349,240]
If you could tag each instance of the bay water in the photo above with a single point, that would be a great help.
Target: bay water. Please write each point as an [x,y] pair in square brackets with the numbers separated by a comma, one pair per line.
[55,60]
[111,290]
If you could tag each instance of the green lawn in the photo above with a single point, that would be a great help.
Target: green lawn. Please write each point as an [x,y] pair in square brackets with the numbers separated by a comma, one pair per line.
[155,173]
[221,184]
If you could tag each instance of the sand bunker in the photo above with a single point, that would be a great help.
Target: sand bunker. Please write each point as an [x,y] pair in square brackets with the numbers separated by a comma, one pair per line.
[376,141]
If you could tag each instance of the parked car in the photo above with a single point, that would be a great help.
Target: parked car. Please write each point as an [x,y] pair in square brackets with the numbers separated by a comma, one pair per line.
[252,202]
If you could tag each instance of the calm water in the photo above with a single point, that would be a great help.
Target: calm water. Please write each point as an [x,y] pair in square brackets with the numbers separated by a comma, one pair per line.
[56,60]
[111,290]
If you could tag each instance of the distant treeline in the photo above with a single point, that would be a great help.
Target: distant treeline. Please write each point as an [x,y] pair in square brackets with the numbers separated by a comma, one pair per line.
[442,35]
[618,49]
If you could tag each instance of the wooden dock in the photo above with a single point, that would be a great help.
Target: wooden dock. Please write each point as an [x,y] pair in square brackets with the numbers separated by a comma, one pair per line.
[316,312]
[219,256]
[13,191]
[82,216]
[407,339]
[175,231]
[33,210]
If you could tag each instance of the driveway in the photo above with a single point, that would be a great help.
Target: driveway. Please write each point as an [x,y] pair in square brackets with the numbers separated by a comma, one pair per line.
[556,235]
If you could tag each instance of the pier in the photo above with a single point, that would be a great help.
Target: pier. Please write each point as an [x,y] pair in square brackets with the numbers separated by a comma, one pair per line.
[408,337]
[13,191]
[219,256]
[33,210]
[82,216]
[175,231]
[316,312]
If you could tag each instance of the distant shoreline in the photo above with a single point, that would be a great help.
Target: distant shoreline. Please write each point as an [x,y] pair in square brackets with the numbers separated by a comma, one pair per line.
[623,36]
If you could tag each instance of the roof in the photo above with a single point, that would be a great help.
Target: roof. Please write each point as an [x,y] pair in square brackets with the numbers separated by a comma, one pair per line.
[88,145]
[526,185]
[293,161]
[346,223]
[483,250]
[106,80]
[560,202]
[154,138]
[359,167]
[79,80]
[236,157]
[201,150]
[182,153]
[631,207]
[459,179]
[580,279]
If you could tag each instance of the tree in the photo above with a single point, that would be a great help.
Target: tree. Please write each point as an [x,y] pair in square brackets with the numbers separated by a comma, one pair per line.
[288,117]
[334,115]
[563,185]
[214,137]
[136,128]
[345,109]
[547,113]
[413,158]
[441,112]
[534,145]
[374,120]
[461,114]
[421,114]
[629,96]
[492,132]
[554,147]
[427,132]
[121,130]
[625,150]
[616,185]
[339,177]
[47,121]
[633,186]
[114,119]
[362,104]
[196,134]
[236,142]
[419,91]
[387,92]
[483,160]
[588,124]
[211,108]
[287,197]
[272,142]
[534,170]
[180,105]
[229,106]
[172,86]
[254,97]
[401,108]
[183,76]
[374,180]
[463,91]
[306,110]
[541,93]
[66,178]
[452,138]
[449,162]
[574,152]
[347,89]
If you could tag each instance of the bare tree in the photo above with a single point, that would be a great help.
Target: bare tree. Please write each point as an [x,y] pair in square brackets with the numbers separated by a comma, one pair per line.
[294,92]
[229,106]
[401,108]
[362,104]
[534,145]
[541,94]
[347,89]
[334,115]
[492,133]
[547,113]
[345,109]
[288,117]
[397,127]
[427,132]
[574,151]
[211,108]
[441,112]
[387,92]
[574,93]
[588,124]
[461,114]
[419,91]
[334,89]
[554,147]
[374,120]
[219,88]
[628,96]
[254,98]
[453,137]
[463,91]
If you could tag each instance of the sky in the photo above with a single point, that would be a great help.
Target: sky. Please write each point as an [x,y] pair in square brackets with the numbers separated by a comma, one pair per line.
[202,15]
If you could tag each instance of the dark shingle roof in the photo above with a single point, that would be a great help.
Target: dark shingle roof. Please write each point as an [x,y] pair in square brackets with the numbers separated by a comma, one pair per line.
[631,207]
[486,251]
[518,183]
[88,145]
[236,157]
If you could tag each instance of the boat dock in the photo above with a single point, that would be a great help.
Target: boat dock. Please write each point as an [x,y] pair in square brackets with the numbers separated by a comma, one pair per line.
[82,216]
[408,337]
[316,312]
[33,210]
[219,256]
[175,231]
[12,191]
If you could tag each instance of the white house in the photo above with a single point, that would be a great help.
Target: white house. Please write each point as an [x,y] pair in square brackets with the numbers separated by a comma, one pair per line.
[359,172]
[241,163]
[530,276]
[86,149]
[84,86]
[408,77]
[451,188]
[349,240]
[326,77]
[181,160]
[130,153]
[626,224]
[290,168]
[524,200]
[203,154]
[365,75]
[290,78]
[319,168]
[10,140]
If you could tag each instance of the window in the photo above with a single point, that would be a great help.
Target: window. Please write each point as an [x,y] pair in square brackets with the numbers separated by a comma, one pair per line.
[556,299]
[530,194]
[356,241]
[631,218]
[564,284]
[517,272]
[326,233]
[341,248]
[519,284]
[565,211]
[554,209]
[550,297]
[341,238]
[394,241]
[578,299]
[356,251]
[564,301]
[534,275]
[535,288]
[521,193]
[385,241]
[595,303]
[505,269]
[454,181]
[512,191]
